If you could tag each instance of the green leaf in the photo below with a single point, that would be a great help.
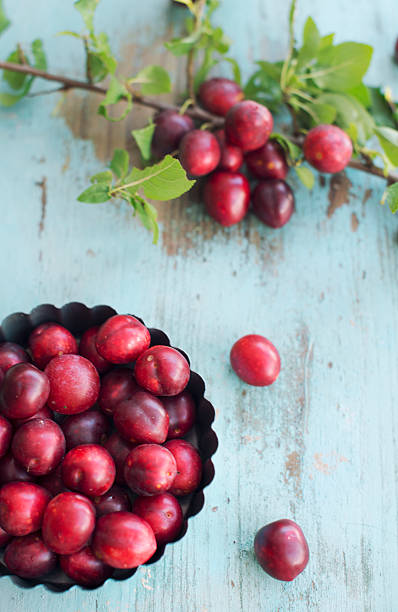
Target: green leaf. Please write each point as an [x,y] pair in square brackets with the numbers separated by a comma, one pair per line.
[182,46]
[87,9]
[4,22]
[380,109]
[306,176]
[326,41]
[97,193]
[264,88]
[39,55]
[350,111]
[68,33]
[154,80]
[96,66]
[362,94]
[391,197]
[147,214]
[273,70]
[7,99]
[344,66]
[207,64]
[388,139]
[322,113]
[293,152]
[120,163]
[311,42]
[102,177]
[116,92]
[15,80]
[236,73]
[143,138]
[165,180]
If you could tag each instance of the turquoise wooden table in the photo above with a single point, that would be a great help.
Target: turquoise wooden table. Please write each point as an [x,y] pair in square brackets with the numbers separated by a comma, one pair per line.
[319,446]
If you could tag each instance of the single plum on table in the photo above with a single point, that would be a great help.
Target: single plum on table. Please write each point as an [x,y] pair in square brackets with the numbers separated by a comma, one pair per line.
[199,153]
[142,418]
[5,435]
[255,360]
[189,467]
[122,338]
[248,125]
[116,386]
[90,427]
[163,513]
[11,354]
[227,197]
[50,340]
[268,162]
[88,349]
[39,446]
[123,540]
[150,469]
[74,384]
[68,523]
[273,202]
[22,506]
[118,448]
[29,557]
[24,391]
[328,148]
[114,500]
[218,95]
[162,370]
[89,469]
[84,568]
[231,157]
[170,127]
[281,549]
[182,412]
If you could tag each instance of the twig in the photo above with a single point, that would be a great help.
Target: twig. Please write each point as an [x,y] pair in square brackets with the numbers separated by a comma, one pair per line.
[191,55]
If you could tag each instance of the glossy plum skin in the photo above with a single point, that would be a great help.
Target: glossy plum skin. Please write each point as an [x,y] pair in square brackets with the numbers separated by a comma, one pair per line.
[231,157]
[122,338]
[4,538]
[218,95]
[227,197]
[68,523]
[5,435]
[182,411]
[116,386]
[50,340]
[29,557]
[11,470]
[273,202]
[281,549]
[119,449]
[24,391]
[74,384]
[327,148]
[199,153]
[39,446]
[171,126]
[268,162]
[163,513]
[248,125]
[85,568]
[255,360]
[11,354]
[22,506]
[89,427]
[142,418]
[114,500]
[123,540]
[150,469]
[43,413]
[189,467]
[89,469]
[88,350]
[162,370]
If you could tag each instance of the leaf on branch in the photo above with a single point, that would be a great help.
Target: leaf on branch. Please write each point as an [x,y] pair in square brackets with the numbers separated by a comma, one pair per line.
[147,213]
[183,45]
[116,92]
[39,56]
[143,138]
[236,73]
[68,33]
[4,22]
[120,163]
[153,79]
[382,111]
[293,152]
[102,177]
[15,80]
[306,176]
[165,180]
[97,69]
[87,10]
[350,112]
[104,52]
[96,194]
[264,85]
[311,43]
[388,139]
[343,66]
[391,197]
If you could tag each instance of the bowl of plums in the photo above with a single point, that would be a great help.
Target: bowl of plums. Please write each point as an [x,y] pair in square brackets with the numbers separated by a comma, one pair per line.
[105,445]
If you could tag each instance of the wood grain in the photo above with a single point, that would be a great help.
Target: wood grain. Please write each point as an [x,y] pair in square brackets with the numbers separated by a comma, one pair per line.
[319,446]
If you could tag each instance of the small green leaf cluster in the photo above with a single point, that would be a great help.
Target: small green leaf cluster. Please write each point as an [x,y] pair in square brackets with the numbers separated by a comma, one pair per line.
[18,82]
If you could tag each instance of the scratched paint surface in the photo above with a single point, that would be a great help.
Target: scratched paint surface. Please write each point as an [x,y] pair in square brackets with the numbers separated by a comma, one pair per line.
[320,446]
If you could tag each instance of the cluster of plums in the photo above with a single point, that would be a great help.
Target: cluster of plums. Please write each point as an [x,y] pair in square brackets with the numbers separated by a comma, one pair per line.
[244,139]
[93,459]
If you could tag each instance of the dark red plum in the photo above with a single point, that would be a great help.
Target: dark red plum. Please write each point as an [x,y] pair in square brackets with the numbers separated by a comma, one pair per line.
[142,418]
[248,125]
[162,370]
[43,413]
[85,568]
[29,557]
[122,338]
[90,427]
[123,540]
[327,148]
[50,340]
[218,95]
[118,449]
[150,469]
[163,513]
[22,506]
[181,410]
[53,482]
[199,153]
[273,202]
[268,162]
[11,354]
[89,469]
[88,349]
[24,391]
[171,126]
[114,500]
[231,157]
[255,360]
[116,386]
[11,470]
[5,435]
[68,523]
[39,446]
[189,467]
[281,549]
[227,197]
[4,538]
[74,384]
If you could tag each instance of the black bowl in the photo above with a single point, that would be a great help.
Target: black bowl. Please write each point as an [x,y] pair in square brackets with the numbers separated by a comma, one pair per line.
[77,318]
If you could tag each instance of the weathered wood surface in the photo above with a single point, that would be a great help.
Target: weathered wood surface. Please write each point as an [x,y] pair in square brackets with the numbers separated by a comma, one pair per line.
[320,446]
